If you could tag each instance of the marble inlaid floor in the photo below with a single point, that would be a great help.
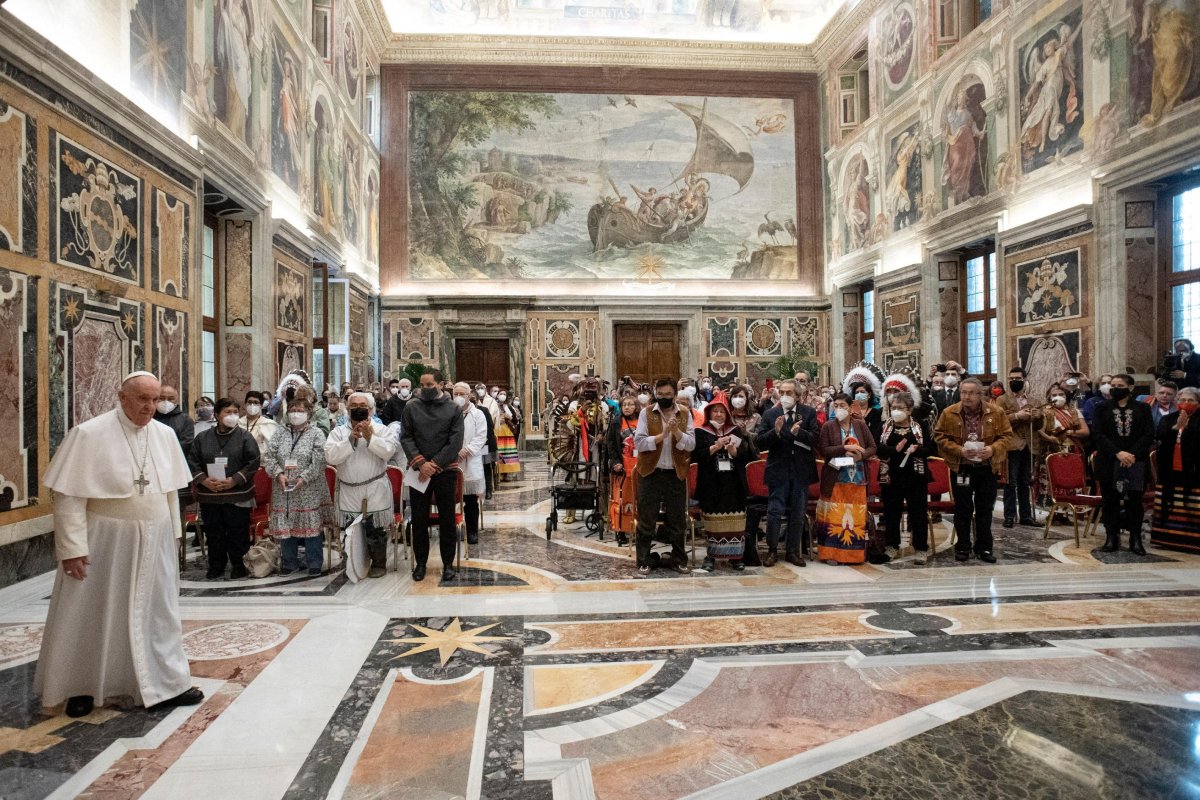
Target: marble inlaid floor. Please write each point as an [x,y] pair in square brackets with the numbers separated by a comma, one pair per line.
[549,671]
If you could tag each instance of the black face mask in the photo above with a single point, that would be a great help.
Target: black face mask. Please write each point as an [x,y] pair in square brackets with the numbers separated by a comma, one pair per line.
[1016,386]
[430,393]
[1118,393]
[359,414]
[665,402]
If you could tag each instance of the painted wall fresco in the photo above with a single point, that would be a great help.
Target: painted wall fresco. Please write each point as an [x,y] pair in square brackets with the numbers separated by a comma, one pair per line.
[964,166]
[350,61]
[352,195]
[233,65]
[158,36]
[98,213]
[587,186]
[288,110]
[904,195]
[18,181]
[857,202]
[18,391]
[898,48]
[1163,69]
[326,167]
[1051,90]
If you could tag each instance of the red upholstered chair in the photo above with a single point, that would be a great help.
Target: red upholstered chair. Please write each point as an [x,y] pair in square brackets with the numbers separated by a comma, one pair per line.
[400,542]
[191,516]
[756,483]
[260,516]
[939,486]
[874,489]
[1068,482]
[814,495]
[694,513]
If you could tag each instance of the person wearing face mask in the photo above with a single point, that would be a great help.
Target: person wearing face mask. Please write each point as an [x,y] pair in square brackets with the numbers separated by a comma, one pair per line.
[1103,387]
[974,438]
[1063,428]
[257,424]
[203,409]
[843,527]
[1075,385]
[1176,521]
[905,445]
[788,433]
[170,414]
[360,451]
[432,438]
[1024,420]
[300,503]
[1123,435]
[1183,367]
[393,407]
[643,396]
[487,400]
[470,456]
[948,394]
[508,434]
[622,503]
[223,460]
[664,440]
[721,456]
[742,413]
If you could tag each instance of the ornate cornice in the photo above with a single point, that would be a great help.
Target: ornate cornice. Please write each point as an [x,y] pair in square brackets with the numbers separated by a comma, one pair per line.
[849,22]
[598,52]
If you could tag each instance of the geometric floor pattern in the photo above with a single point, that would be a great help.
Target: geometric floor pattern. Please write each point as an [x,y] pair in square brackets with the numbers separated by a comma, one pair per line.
[549,671]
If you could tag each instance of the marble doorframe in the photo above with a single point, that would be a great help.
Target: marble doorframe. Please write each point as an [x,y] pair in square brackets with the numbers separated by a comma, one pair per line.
[690,318]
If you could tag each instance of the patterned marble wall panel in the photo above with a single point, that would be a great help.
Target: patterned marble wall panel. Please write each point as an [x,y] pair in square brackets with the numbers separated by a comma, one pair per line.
[557,345]
[758,372]
[415,337]
[96,339]
[170,243]
[723,371]
[291,298]
[1047,289]
[562,338]
[18,390]
[764,337]
[899,326]
[804,334]
[239,269]
[97,212]
[360,369]
[238,364]
[851,337]
[18,181]
[1141,354]
[168,352]
[722,336]
[557,381]
[289,357]
[948,313]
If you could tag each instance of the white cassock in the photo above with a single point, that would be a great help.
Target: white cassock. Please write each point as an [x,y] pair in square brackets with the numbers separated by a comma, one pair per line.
[362,473]
[116,632]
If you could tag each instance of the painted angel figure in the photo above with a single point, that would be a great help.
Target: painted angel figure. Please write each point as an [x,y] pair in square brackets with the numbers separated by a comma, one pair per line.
[1050,69]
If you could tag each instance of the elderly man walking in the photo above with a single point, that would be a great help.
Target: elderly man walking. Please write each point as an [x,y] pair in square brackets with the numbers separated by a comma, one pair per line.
[113,629]
[360,451]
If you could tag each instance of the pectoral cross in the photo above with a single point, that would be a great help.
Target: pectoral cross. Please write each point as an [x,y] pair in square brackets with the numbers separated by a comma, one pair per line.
[141,483]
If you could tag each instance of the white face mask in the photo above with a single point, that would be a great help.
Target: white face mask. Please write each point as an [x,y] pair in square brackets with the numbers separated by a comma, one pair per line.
[738,402]
[405,393]
[951,381]
[706,386]
[899,415]
[480,393]
[494,392]
[1058,400]
[860,397]
[841,414]
[253,409]
[166,407]
[1071,382]
[230,420]
[787,401]
[644,399]
[1105,388]
[501,398]
[297,418]
[459,400]
[394,390]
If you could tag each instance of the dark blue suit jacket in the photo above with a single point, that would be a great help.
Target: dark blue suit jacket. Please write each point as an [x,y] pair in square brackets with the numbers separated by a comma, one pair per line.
[786,454]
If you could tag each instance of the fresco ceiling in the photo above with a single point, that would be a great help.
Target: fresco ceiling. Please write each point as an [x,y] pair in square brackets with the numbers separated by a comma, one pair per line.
[774,21]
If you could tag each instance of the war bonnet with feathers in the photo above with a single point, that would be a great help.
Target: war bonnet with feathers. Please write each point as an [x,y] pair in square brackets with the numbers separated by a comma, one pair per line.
[864,372]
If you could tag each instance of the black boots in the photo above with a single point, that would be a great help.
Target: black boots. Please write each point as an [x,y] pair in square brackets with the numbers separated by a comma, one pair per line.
[1135,543]
[1112,542]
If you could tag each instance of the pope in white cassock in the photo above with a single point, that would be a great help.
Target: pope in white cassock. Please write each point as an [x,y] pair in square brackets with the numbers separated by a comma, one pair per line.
[113,628]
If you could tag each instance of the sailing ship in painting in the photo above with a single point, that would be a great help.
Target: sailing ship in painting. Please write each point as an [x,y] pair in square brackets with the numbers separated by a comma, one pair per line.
[722,148]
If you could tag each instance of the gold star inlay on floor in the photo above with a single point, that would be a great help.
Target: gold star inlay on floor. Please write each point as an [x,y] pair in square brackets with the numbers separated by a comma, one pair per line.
[447,641]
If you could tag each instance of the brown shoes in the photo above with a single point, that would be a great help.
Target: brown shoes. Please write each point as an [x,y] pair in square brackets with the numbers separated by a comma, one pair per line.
[796,559]
[771,559]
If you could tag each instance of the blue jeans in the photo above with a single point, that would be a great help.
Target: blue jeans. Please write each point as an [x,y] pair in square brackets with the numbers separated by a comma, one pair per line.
[788,497]
[314,552]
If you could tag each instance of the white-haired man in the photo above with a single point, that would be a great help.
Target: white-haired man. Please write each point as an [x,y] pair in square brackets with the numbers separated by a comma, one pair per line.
[113,629]
[360,450]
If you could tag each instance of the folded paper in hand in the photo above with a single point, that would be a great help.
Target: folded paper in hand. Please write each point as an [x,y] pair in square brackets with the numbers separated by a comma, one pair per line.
[413,480]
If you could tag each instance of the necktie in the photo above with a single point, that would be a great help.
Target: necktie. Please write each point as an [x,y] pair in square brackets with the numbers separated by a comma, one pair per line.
[790,419]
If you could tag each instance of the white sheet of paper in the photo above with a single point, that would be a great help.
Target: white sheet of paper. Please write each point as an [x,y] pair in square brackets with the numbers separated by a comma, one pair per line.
[841,461]
[217,471]
[413,480]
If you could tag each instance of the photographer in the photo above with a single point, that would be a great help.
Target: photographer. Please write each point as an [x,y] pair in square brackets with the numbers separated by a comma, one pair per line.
[1181,364]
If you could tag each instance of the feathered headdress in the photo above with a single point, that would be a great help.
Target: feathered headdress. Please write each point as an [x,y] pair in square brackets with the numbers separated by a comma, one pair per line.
[296,377]
[907,380]
[866,373]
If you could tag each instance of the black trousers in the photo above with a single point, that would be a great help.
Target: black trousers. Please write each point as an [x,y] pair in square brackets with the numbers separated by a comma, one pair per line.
[441,491]
[911,493]
[1121,511]
[974,502]
[227,532]
[377,542]
[661,488]
[471,513]
[1016,491]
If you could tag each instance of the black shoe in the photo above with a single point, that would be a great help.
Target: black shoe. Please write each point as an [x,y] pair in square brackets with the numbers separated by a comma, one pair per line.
[622,540]
[214,576]
[771,559]
[737,566]
[682,569]
[1030,521]
[448,575]
[795,559]
[287,571]
[189,698]
[488,495]
[1135,544]
[709,565]
[239,575]
[418,572]
[962,555]
[987,556]
[315,571]
[1112,542]
[80,705]
[472,538]
[1008,522]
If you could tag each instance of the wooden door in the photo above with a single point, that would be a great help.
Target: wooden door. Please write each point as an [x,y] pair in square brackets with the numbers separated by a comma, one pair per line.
[481,361]
[647,351]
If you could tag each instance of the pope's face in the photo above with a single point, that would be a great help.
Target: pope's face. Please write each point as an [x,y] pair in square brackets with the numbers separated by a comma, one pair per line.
[139,399]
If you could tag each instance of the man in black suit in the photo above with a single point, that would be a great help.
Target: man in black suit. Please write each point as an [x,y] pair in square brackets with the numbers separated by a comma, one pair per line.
[1123,433]
[1186,364]
[948,395]
[788,434]
[399,393]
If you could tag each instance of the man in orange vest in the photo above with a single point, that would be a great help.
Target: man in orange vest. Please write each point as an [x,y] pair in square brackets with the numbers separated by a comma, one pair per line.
[663,441]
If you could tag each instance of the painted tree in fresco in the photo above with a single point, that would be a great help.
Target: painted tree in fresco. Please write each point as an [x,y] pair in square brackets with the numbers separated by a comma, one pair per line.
[444,127]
